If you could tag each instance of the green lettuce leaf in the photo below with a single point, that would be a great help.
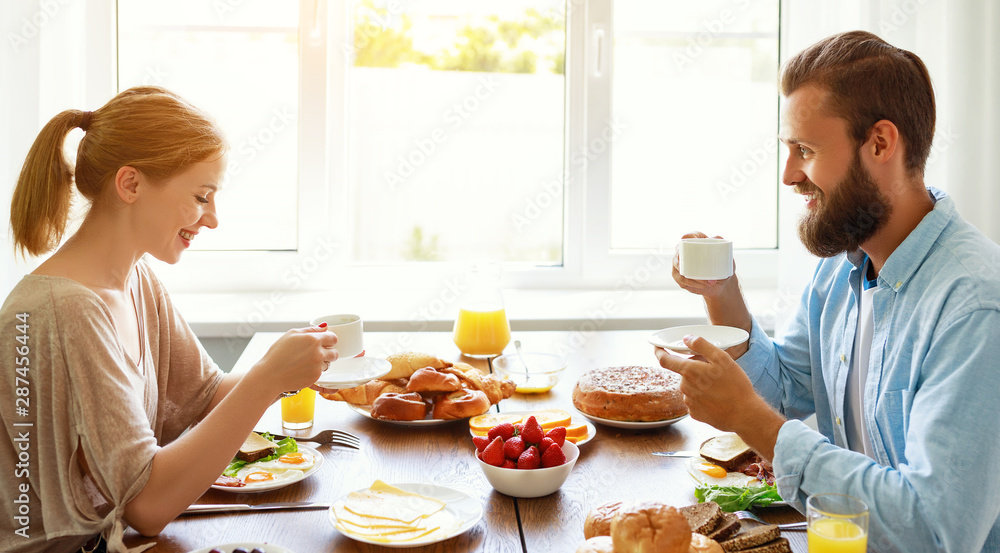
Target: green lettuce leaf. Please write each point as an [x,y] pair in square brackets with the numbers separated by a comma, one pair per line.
[286,445]
[737,498]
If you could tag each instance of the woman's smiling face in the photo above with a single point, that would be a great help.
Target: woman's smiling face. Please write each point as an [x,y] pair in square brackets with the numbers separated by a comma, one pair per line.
[174,212]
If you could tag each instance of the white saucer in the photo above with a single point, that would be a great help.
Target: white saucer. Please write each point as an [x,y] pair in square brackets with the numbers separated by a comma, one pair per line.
[633,425]
[720,336]
[353,371]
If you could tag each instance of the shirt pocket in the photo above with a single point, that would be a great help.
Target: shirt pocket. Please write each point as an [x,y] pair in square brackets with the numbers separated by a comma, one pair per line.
[892,416]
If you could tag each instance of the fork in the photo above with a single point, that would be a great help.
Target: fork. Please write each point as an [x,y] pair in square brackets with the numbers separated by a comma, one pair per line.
[333,437]
[747,515]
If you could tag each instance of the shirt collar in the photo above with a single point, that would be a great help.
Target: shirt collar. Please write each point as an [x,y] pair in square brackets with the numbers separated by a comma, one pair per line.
[910,254]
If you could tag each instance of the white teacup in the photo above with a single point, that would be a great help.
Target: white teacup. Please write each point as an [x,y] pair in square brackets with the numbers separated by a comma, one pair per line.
[349,330]
[706,258]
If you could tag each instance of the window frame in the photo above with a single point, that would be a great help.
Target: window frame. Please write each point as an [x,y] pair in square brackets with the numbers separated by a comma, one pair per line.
[321,261]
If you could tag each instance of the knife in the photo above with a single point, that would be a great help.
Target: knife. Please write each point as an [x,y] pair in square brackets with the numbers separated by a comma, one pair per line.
[235,507]
[676,453]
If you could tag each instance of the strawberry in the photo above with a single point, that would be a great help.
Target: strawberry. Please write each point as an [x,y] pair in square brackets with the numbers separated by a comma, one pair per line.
[546,442]
[504,430]
[508,464]
[513,448]
[532,432]
[518,428]
[493,454]
[481,442]
[553,456]
[530,459]
[558,434]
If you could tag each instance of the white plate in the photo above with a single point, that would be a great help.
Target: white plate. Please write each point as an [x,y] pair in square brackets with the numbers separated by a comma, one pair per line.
[248,545]
[366,411]
[721,336]
[461,505]
[591,429]
[348,373]
[632,424]
[266,487]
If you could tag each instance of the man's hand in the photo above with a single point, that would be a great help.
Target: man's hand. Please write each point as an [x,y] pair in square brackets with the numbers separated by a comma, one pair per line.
[718,392]
[705,288]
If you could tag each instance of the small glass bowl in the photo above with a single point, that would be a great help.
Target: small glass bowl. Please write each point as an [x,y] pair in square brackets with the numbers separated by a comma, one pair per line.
[534,373]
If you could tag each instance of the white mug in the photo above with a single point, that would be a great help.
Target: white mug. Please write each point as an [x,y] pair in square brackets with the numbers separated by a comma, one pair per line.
[706,258]
[349,330]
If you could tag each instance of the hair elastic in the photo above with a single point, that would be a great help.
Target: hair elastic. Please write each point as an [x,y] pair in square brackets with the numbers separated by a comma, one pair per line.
[85,120]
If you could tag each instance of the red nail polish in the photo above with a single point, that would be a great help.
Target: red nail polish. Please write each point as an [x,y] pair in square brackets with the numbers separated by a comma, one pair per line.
[322,325]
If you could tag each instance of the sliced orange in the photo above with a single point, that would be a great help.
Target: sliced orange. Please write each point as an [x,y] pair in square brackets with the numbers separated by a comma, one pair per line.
[578,431]
[576,439]
[481,424]
[550,418]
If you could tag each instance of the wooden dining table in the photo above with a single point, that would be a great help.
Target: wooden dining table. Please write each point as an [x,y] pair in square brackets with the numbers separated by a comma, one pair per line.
[615,465]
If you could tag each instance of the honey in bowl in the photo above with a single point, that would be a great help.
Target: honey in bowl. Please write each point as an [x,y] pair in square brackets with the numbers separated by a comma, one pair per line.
[482,330]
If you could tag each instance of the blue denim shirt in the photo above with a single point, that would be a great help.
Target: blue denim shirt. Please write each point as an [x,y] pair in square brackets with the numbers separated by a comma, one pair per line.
[931,399]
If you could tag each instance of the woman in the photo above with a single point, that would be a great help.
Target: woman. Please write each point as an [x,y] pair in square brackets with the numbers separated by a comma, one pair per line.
[109,373]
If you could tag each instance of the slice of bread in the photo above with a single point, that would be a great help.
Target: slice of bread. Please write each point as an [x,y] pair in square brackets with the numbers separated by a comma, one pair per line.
[729,451]
[779,545]
[728,527]
[751,537]
[702,517]
[255,447]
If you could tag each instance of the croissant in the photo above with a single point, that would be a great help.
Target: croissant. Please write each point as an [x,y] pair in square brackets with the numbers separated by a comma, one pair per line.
[494,387]
[406,363]
[366,393]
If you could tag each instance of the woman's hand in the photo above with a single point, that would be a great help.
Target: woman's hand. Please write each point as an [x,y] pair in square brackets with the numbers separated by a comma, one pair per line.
[298,358]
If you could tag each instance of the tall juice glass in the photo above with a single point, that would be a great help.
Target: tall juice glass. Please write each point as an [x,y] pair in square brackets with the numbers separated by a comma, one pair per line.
[837,523]
[481,328]
[298,411]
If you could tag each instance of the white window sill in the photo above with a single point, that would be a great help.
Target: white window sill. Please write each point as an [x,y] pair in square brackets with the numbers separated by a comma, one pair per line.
[240,315]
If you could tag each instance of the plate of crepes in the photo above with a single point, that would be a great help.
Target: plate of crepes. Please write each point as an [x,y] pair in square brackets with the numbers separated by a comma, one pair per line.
[263,465]
[405,515]
[244,547]
[725,468]
[421,389]
[658,526]
[720,336]
[577,431]
[630,397]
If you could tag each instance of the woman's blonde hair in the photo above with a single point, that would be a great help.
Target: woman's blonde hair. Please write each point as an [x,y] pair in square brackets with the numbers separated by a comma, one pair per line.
[148,128]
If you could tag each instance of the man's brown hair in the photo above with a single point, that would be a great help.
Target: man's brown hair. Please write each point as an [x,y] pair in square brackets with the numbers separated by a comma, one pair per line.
[870,80]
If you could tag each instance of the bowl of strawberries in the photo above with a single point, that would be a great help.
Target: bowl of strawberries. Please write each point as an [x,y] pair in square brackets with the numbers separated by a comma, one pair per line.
[525,461]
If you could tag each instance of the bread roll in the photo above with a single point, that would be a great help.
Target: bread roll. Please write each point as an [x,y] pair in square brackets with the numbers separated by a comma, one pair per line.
[461,404]
[430,381]
[598,521]
[494,387]
[702,544]
[399,407]
[598,544]
[650,527]
[405,364]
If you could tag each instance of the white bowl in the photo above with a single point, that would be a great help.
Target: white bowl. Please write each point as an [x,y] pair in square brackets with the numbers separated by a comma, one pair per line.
[541,374]
[531,482]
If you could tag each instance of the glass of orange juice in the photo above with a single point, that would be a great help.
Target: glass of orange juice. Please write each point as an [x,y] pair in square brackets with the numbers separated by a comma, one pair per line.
[838,523]
[299,410]
[481,328]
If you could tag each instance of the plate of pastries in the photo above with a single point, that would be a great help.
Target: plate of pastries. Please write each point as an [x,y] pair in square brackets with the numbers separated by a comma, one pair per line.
[421,389]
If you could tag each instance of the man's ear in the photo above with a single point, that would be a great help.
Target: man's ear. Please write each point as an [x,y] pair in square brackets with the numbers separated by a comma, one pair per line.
[883,141]
[127,181]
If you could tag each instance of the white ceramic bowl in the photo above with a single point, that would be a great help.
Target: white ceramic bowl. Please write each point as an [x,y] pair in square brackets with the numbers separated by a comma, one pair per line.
[531,482]
[541,374]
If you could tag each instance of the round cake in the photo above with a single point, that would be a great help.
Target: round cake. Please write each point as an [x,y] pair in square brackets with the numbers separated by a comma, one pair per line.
[636,394]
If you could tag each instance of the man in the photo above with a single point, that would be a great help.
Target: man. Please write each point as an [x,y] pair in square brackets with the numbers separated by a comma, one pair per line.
[896,344]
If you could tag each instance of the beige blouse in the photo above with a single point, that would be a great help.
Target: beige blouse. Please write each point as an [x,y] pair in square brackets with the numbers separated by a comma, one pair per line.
[67,386]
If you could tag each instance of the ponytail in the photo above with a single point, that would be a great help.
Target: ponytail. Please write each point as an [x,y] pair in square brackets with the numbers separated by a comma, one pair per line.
[148,128]
[41,202]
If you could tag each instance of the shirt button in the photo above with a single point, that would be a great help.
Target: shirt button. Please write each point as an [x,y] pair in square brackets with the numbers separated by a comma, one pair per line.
[838,421]
[898,284]
[843,358]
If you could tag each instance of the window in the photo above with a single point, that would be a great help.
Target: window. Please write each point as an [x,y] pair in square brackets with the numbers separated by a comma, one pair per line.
[385,141]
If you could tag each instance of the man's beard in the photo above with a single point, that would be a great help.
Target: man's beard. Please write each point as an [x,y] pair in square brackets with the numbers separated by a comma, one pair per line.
[846,218]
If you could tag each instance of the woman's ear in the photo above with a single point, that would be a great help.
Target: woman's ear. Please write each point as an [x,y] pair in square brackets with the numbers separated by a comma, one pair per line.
[127,181]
